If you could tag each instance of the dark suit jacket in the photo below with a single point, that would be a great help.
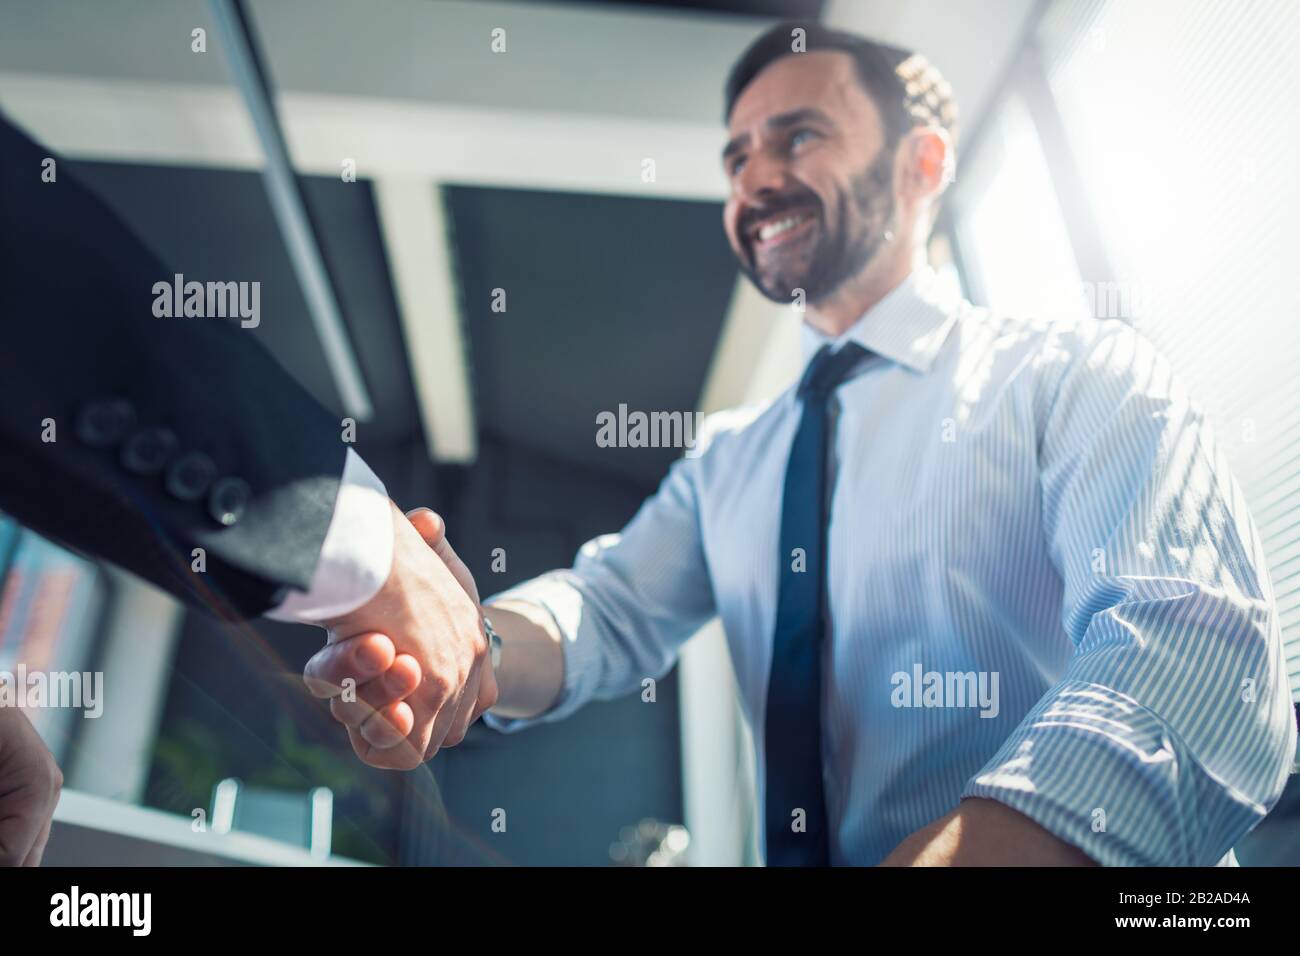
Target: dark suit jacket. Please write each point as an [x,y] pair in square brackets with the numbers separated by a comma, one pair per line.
[171,433]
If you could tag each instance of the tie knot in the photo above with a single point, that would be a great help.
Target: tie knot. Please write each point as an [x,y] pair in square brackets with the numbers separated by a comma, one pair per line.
[828,368]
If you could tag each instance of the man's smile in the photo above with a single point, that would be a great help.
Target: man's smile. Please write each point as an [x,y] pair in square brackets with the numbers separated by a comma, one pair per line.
[781,230]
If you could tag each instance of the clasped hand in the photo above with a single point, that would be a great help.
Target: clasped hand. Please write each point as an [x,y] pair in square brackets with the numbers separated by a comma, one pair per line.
[409,671]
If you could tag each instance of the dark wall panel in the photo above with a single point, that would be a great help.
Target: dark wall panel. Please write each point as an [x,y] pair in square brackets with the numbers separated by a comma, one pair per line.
[609,300]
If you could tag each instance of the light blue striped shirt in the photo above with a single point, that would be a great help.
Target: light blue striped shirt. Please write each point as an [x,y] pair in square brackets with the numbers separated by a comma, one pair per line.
[1044,586]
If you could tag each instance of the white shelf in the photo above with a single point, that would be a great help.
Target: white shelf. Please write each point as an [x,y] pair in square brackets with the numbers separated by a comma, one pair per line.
[95,831]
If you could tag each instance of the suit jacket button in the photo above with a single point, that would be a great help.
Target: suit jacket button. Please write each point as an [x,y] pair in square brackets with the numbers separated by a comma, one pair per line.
[104,423]
[227,501]
[188,476]
[148,450]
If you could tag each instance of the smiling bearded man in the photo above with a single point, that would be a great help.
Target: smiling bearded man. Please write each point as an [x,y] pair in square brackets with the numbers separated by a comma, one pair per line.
[1026,514]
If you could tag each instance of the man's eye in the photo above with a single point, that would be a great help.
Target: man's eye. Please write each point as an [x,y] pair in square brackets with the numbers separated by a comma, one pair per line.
[800,137]
[737,165]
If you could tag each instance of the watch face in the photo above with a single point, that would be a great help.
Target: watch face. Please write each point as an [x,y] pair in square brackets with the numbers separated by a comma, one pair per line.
[494,643]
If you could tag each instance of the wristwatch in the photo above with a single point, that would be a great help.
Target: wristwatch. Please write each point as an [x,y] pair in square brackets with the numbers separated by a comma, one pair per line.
[494,642]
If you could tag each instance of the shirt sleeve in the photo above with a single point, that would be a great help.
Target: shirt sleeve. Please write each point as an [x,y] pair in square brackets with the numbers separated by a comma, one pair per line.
[356,555]
[1172,731]
[628,603]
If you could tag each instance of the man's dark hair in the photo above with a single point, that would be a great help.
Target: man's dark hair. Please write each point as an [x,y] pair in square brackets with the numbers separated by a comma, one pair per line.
[907,90]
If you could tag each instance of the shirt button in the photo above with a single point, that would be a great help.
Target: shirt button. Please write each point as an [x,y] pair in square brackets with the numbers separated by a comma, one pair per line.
[227,501]
[104,423]
[188,476]
[148,450]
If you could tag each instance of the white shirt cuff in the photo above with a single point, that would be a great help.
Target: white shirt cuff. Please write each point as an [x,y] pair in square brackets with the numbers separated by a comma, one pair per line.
[357,553]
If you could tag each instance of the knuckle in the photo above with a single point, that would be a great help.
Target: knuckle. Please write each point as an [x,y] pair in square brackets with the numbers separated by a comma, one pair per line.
[439,685]
[46,781]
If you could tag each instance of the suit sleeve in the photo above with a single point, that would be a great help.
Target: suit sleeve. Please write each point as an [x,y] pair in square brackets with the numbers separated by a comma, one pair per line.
[140,439]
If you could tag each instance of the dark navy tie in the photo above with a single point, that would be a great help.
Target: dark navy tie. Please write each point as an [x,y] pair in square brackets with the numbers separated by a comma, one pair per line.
[792,727]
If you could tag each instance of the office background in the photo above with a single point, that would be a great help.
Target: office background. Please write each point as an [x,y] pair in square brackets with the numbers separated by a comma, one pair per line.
[1133,159]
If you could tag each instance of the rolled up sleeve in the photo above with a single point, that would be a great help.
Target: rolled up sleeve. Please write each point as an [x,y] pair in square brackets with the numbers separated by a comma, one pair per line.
[628,603]
[1172,732]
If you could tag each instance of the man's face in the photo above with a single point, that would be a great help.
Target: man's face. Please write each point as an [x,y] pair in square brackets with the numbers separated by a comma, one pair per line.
[811,180]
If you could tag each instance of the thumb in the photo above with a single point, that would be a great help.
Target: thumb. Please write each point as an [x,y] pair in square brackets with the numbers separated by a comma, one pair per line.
[434,532]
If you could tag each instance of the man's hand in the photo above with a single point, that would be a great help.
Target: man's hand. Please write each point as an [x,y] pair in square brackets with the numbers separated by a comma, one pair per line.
[416,652]
[29,789]
[528,684]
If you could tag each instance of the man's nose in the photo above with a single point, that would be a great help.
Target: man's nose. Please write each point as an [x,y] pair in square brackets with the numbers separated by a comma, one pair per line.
[760,180]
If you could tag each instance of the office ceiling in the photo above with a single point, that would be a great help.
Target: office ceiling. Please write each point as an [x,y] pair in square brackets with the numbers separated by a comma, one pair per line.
[779,9]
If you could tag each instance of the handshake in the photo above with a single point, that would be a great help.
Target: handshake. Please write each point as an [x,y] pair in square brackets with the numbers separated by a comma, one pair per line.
[409,671]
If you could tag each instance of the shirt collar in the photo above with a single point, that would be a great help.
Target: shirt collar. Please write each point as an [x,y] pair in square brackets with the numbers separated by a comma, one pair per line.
[908,326]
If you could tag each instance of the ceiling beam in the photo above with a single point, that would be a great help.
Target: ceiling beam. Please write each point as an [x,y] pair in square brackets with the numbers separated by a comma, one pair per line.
[291,214]
[412,220]
[178,124]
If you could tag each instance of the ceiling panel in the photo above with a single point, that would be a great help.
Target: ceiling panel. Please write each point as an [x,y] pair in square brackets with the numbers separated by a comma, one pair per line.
[609,300]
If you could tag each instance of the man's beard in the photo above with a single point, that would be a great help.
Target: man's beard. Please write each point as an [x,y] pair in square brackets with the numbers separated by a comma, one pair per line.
[864,217]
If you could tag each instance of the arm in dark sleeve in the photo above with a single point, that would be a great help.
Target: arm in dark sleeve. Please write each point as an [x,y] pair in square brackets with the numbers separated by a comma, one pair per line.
[142,405]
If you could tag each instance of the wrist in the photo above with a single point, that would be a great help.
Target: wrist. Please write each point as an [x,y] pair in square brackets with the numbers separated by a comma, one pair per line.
[494,640]
[356,556]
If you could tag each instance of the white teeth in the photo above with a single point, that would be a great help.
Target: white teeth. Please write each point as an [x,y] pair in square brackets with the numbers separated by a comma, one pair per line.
[776,228]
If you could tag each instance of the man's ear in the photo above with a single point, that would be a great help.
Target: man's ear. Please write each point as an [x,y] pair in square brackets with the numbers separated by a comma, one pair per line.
[930,163]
